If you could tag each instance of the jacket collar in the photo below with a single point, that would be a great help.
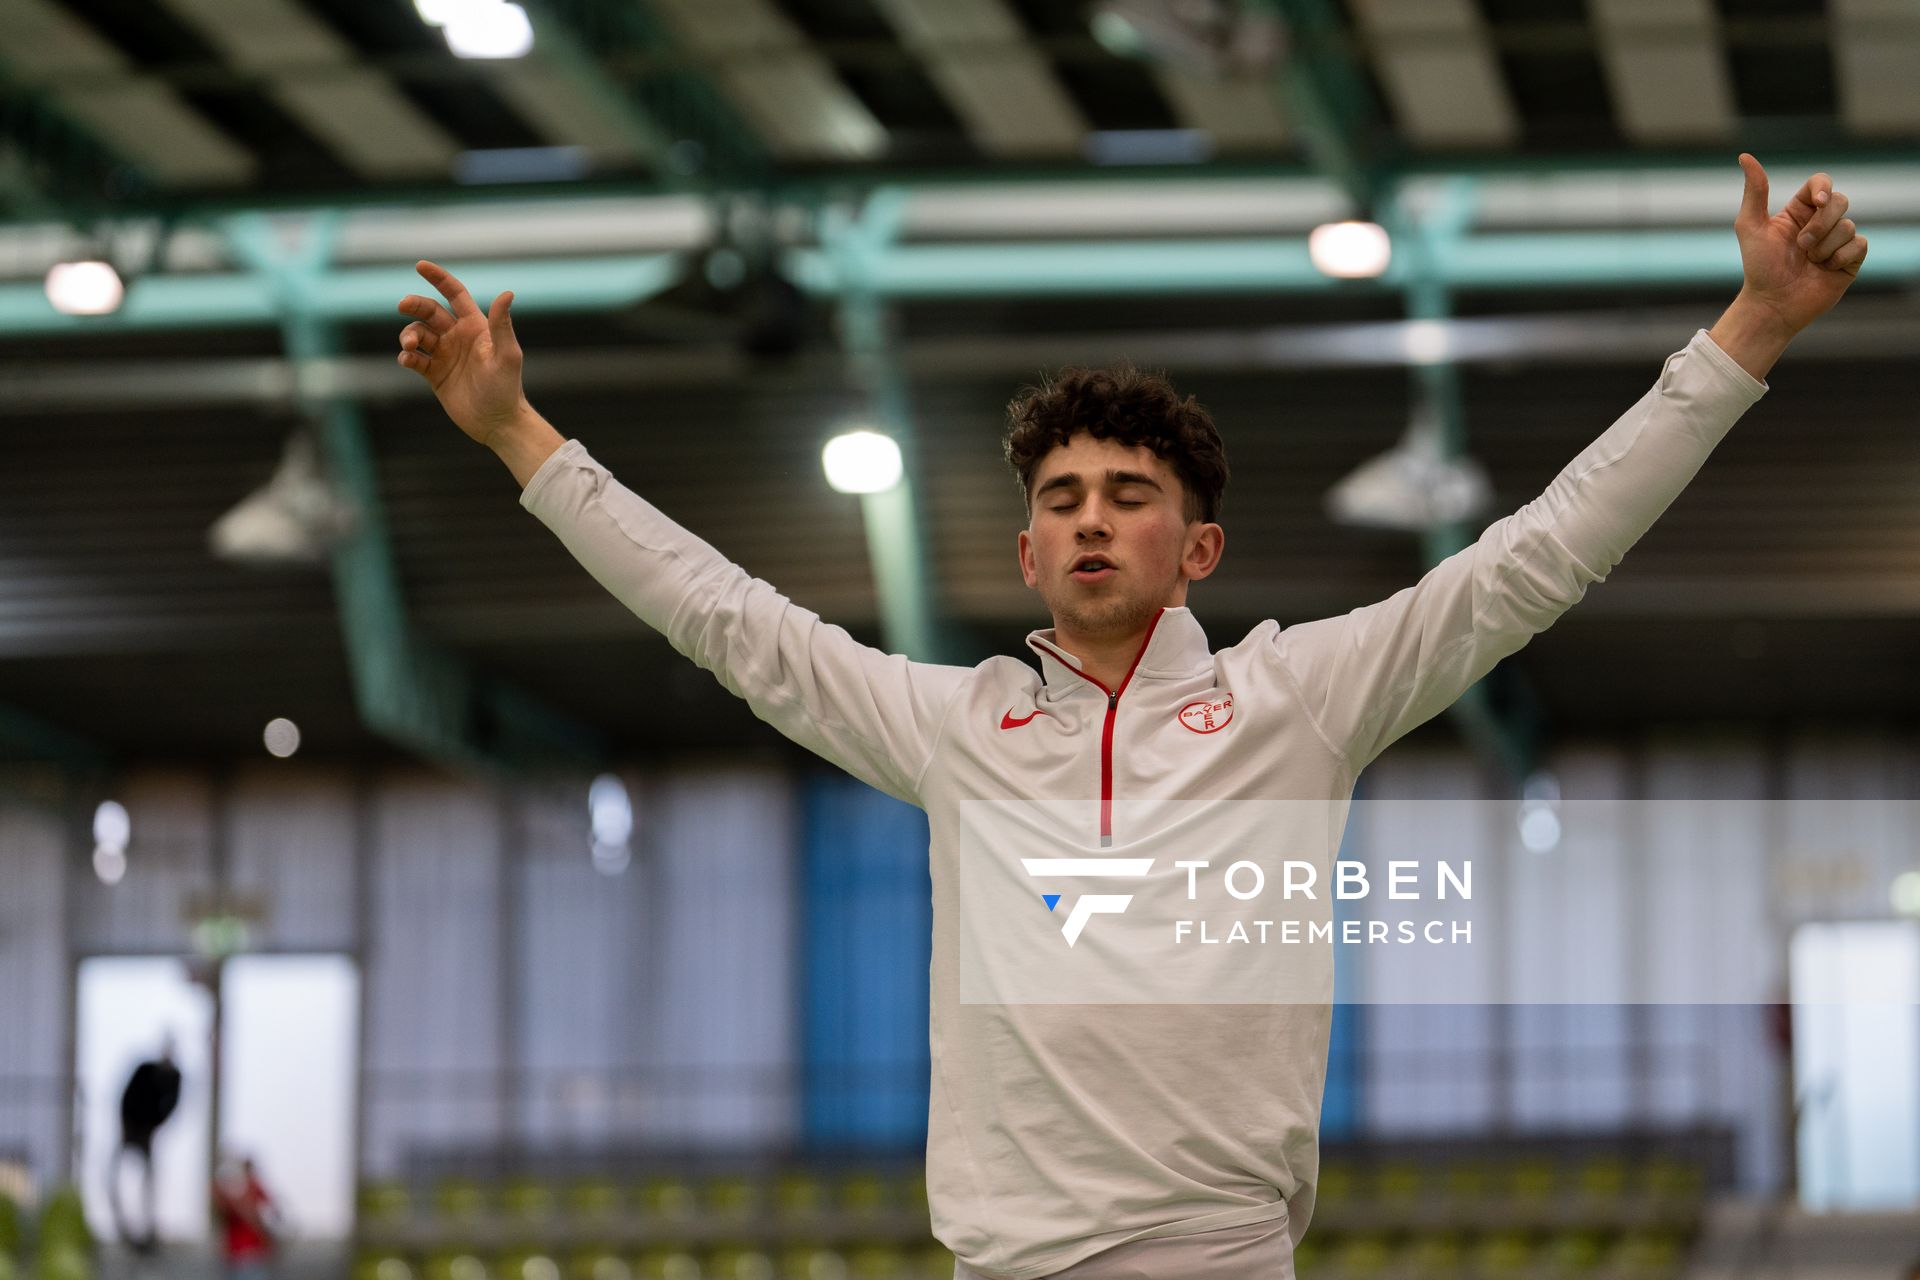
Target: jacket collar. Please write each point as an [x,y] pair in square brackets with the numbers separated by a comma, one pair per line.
[1176,648]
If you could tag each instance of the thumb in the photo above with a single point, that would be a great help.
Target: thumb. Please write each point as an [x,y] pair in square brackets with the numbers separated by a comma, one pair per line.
[1753,203]
[498,319]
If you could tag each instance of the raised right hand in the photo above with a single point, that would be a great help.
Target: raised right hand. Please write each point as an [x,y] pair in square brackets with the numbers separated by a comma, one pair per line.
[470,359]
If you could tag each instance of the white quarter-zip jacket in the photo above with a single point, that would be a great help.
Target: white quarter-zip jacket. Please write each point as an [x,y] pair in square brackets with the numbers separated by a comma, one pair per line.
[1058,1130]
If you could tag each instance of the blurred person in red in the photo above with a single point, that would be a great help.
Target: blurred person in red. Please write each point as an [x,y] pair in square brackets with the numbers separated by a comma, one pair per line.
[249,1221]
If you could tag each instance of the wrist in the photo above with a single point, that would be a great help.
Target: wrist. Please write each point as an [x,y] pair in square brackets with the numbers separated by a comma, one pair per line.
[1754,332]
[524,442]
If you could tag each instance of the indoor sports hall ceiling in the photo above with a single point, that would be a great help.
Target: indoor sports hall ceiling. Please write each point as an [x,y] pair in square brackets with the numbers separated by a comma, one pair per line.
[1784,585]
[285,99]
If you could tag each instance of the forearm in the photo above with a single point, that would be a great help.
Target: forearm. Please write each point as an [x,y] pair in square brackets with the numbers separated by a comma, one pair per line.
[874,714]
[1613,491]
[525,443]
[1752,333]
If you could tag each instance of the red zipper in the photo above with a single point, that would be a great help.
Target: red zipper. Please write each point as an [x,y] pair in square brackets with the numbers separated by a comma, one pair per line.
[1106,733]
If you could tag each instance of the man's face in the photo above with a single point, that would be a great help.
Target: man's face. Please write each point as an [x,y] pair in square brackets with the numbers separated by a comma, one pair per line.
[1122,504]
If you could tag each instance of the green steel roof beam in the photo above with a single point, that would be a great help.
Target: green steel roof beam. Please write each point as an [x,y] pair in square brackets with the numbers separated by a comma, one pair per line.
[408,689]
[1545,260]
[700,140]
[903,571]
[228,299]
[58,169]
[1328,100]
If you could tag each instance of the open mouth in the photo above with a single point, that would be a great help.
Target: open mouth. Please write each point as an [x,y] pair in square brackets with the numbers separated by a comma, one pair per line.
[1093,569]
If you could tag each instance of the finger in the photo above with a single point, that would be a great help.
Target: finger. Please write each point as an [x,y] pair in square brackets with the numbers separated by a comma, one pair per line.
[417,337]
[1806,202]
[500,319]
[428,310]
[1821,225]
[1848,256]
[1834,239]
[415,361]
[450,288]
[1753,201]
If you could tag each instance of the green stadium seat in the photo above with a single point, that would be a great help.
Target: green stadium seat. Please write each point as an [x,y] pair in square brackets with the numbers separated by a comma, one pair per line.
[669,1263]
[382,1264]
[461,1201]
[1434,1257]
[1399,1184]
[933,1262]
[383,1203]
[597,1264]
[1531,1184]
[913,1192]
[668,1198]
[882,1262]
[1469,1183]
[865,1193]
[1603,1180]
[1504,1254]
[1647,1256]
[1574,1253]
[1673,1180]
[739,1262]
[814,1262]
[527,1264]
[529,1201]
[1360,1255]
[800,1193]
[594,1201]
[733,1197]
[456,1264]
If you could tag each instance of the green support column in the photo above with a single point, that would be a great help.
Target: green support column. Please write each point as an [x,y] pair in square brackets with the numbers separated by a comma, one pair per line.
[1509,741]
[896,535]
[698,138]
[408,689]
[1327,99]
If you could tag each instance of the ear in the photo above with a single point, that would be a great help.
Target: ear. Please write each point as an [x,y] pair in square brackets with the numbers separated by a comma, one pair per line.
[1029,568]
[1206,543]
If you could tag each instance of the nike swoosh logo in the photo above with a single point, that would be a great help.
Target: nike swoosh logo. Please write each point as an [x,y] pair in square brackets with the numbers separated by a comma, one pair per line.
[1008,722]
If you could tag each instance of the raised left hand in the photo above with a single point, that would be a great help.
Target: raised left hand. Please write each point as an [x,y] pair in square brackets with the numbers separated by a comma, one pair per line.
[1800,260]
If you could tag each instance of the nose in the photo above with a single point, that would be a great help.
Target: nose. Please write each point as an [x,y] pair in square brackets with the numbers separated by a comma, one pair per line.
[1094,520]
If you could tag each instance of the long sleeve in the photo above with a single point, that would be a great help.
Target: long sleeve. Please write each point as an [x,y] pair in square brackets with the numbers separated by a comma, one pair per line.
[874,714]
[1369,676]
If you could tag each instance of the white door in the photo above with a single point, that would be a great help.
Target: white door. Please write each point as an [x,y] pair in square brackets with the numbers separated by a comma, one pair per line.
[129,1006]
[289,1043]
[1856,1064]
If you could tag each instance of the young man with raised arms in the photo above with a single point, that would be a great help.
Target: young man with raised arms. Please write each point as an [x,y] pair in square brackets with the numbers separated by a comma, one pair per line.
[1171,1135]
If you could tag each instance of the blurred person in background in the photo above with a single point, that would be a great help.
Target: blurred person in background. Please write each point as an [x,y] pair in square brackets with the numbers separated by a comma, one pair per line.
[249,1221]
[1119,1141]
[149,1099]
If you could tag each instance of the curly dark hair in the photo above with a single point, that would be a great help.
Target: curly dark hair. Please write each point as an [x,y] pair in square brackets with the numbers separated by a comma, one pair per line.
[1124,404]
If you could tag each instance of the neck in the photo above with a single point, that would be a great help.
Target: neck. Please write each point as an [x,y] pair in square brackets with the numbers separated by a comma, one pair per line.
[1105,658]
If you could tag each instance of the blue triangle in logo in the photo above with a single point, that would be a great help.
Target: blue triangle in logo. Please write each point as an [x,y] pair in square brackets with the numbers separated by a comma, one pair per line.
[1051,899]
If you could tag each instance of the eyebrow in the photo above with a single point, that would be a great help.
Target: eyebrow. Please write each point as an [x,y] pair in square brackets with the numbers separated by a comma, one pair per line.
[1071,480]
